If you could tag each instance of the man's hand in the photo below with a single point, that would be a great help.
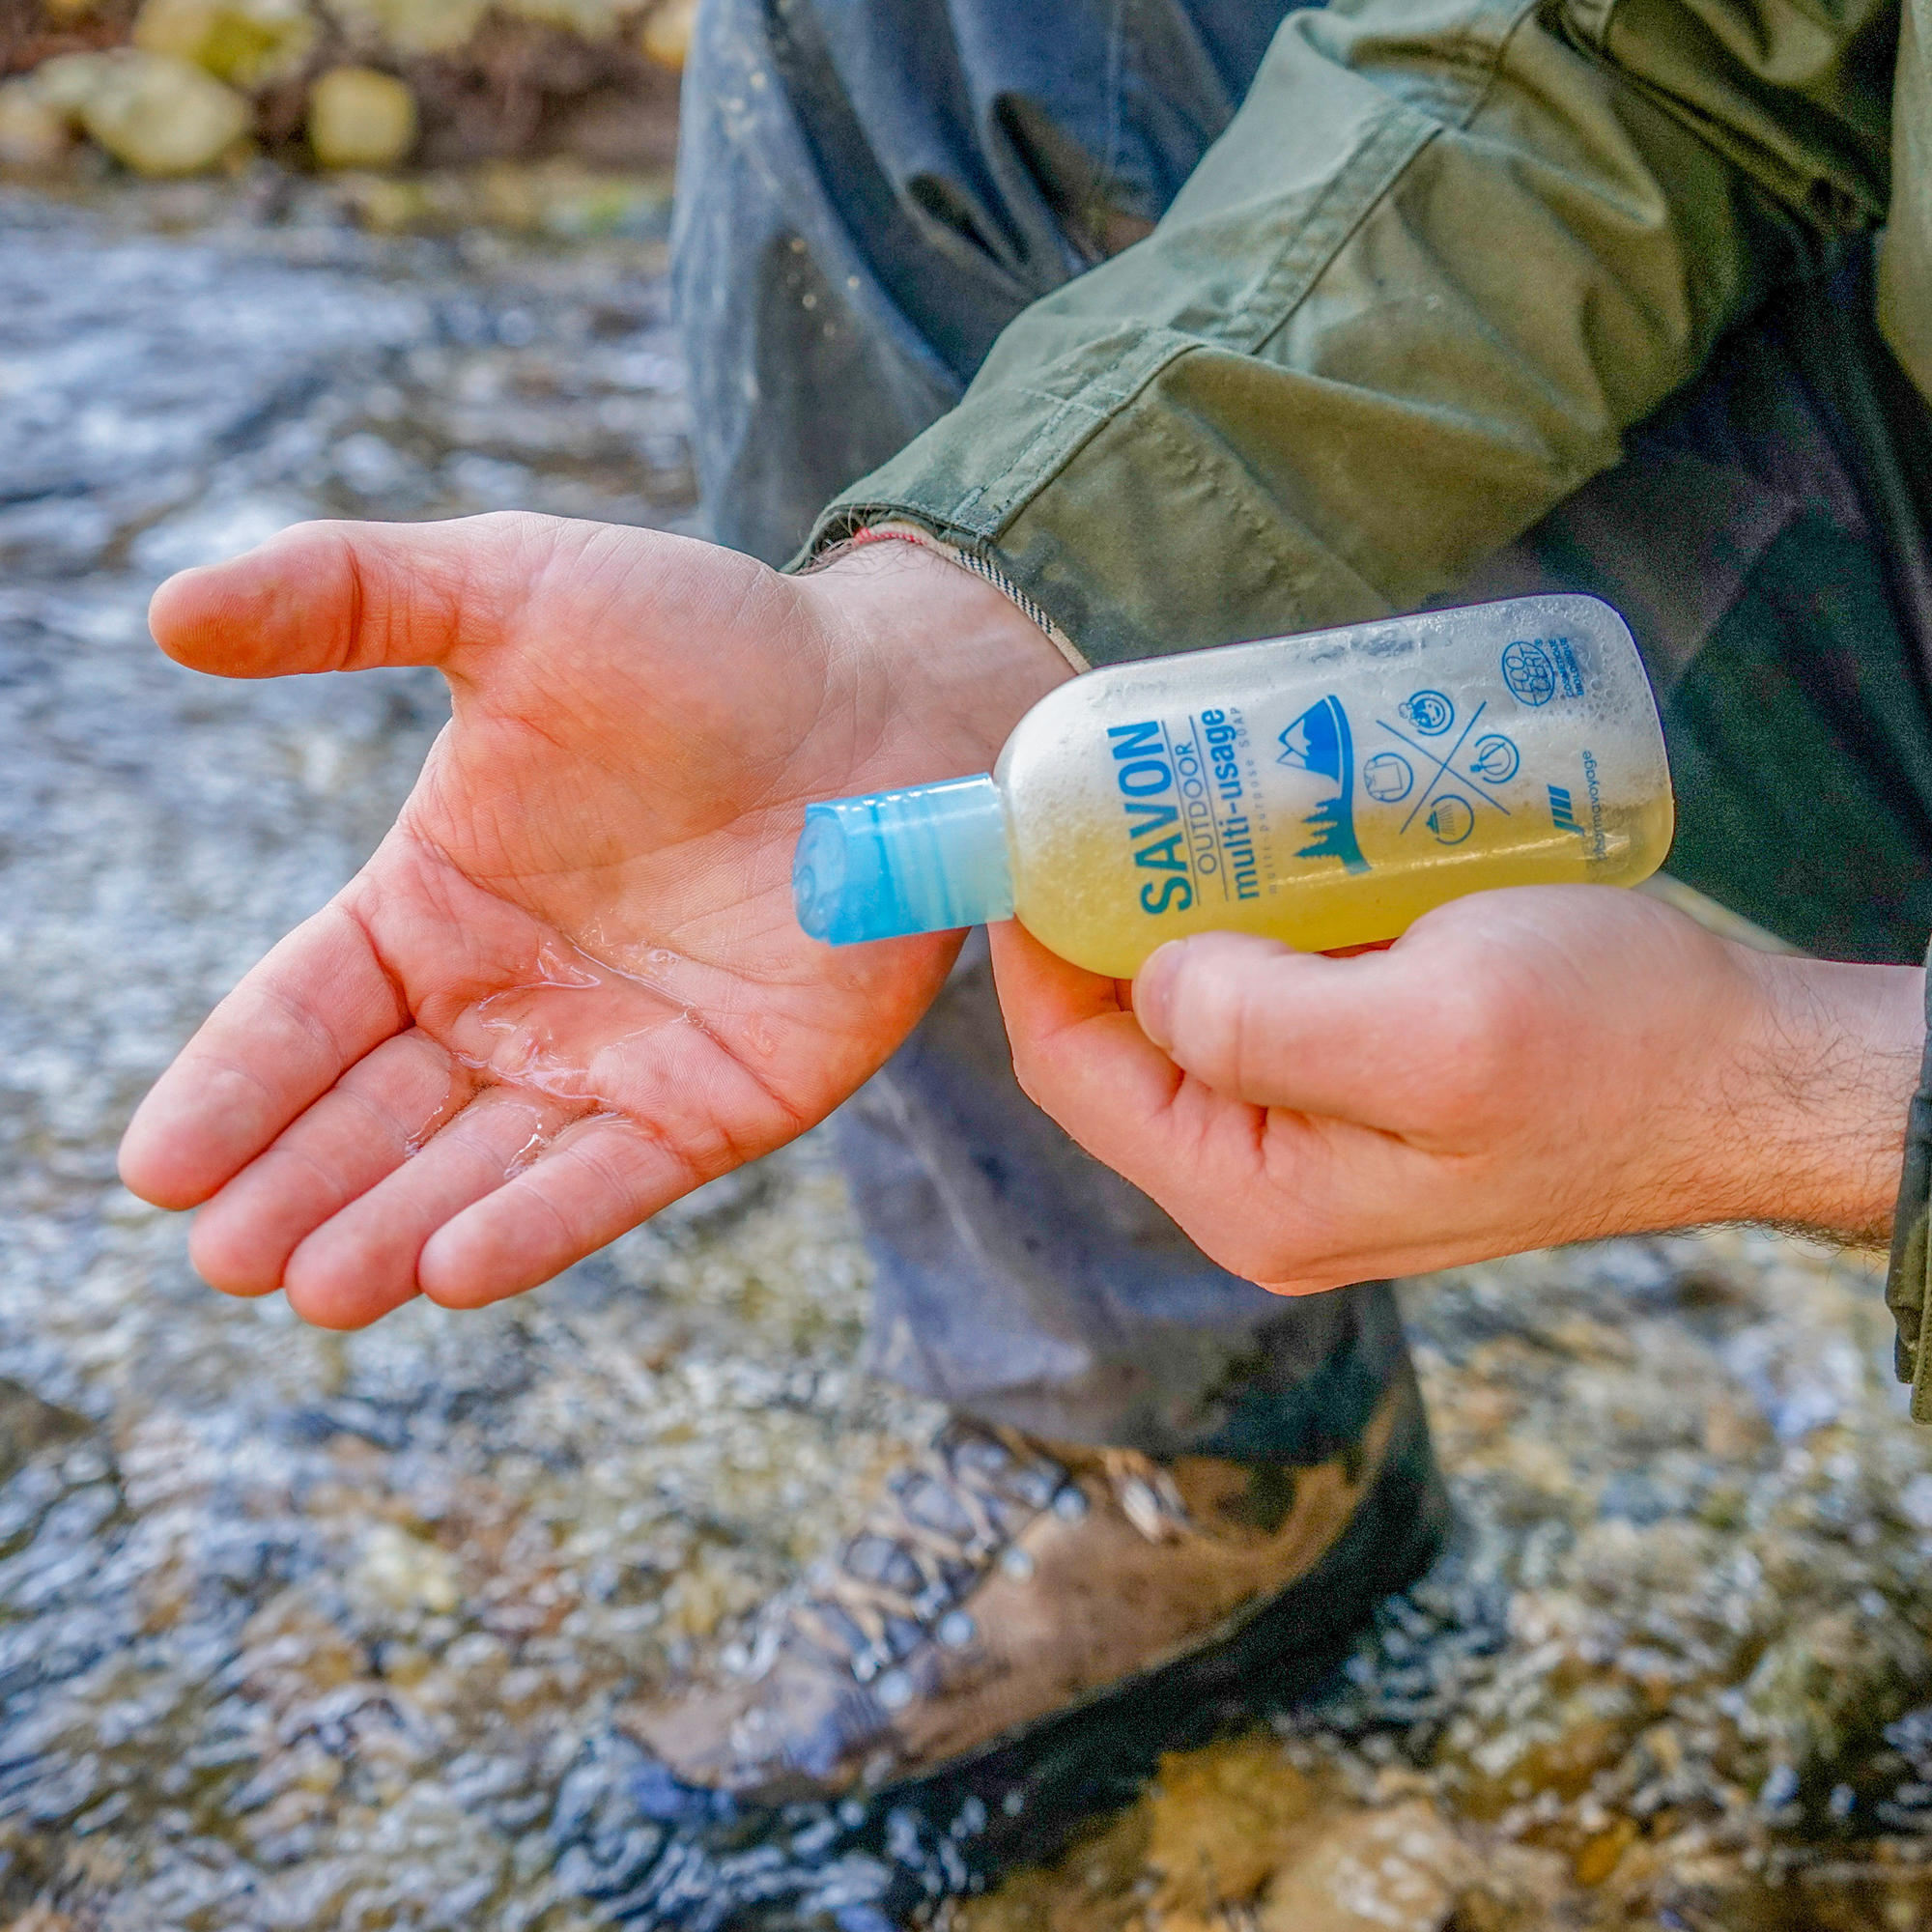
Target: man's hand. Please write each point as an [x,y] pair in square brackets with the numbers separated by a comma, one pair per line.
[1523,1069]
[569,986]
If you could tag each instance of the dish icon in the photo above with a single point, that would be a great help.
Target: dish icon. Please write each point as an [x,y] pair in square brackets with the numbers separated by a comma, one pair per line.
[1495,760]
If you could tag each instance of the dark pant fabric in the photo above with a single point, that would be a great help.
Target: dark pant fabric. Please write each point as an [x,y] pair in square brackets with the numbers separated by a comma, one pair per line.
[867,193]
[1767,537]
[869,190]
[1020,1280]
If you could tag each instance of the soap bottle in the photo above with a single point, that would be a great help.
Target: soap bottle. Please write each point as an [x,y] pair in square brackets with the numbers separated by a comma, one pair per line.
[1326,789]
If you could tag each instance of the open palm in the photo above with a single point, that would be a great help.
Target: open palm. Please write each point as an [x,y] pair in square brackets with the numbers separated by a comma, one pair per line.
[568,987]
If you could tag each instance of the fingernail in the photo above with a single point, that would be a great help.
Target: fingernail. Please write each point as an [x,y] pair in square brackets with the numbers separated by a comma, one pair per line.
[1153,991]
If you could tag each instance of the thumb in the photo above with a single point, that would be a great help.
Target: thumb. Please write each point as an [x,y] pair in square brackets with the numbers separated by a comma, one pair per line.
[1353,1038]
[342,596]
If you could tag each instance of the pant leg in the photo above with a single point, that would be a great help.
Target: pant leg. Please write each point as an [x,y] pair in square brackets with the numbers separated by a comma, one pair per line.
[869,193]
[1021,1280]
[1767,537]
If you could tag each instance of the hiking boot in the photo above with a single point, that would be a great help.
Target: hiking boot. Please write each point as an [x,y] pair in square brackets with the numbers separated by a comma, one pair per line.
[1004,1580]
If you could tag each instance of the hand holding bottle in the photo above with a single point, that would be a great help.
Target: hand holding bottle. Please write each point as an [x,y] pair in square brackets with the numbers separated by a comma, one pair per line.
[1524,1067]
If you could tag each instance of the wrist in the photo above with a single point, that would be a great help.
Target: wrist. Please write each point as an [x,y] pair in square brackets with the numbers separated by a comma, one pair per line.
[961,663]
[1815,1095]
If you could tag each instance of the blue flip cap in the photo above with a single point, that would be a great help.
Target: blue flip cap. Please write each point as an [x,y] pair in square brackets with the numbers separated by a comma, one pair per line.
[927,858]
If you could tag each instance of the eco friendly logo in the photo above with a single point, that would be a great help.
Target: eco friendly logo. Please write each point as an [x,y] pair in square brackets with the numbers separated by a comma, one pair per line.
[1318,742]
[1529,673]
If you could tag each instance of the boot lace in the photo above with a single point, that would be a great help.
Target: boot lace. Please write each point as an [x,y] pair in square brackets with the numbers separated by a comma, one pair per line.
[953,1512]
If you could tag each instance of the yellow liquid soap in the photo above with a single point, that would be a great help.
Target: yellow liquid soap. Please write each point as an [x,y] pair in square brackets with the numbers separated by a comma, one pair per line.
[1326,789]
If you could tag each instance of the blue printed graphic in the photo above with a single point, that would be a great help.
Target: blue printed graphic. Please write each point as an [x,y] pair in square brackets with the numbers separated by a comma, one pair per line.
[1495,760]
[1320,742]
[1529,673]
[1437,770]
[1429,712]
[1562,809]
[1389,778]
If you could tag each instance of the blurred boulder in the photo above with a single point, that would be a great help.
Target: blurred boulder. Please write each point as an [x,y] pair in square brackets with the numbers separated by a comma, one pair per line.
[666,38]
[33,134]
[358,118]
[249,43]
[66,83]
[410,26]
[587,19]
[157,114]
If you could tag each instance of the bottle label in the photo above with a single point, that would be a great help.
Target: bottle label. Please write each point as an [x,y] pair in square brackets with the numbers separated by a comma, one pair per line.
[1189,796]
[1228,804]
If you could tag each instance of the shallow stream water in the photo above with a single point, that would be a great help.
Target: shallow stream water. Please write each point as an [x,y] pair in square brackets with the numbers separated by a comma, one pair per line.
[299,1630]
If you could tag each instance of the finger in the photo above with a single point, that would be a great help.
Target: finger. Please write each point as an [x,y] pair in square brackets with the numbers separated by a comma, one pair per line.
[600,1176]
[1293,1200]
[312,1008]
[1373,1039]
[1081,1056]
[1040,993]
[362,1261]
[342,596]
[367,1126]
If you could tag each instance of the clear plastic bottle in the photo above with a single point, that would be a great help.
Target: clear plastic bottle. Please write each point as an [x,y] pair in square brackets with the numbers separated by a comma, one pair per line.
[1326,789]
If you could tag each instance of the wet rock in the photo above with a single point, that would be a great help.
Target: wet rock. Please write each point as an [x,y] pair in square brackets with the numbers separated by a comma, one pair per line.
[42,1919]
[1220,1823]
[1831,1684]
[405,1573]
[155,113]
[34,135]
[665,37]
[1406,1870]
[1860,1897]
[358,118]
[28,1425]
[410,27]
[1235,1835]
[1561,1748]
[248,43]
